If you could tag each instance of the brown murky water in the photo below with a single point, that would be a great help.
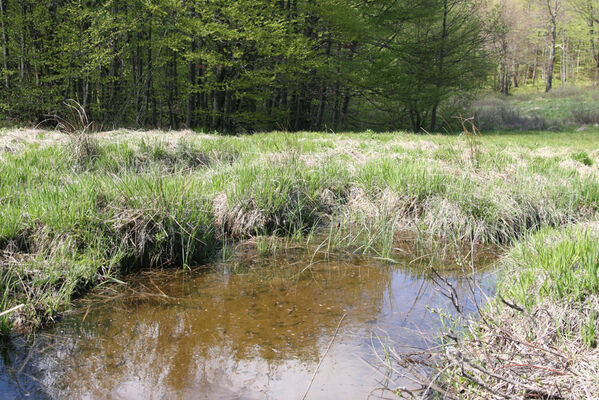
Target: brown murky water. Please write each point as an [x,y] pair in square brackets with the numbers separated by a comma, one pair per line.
[247,330]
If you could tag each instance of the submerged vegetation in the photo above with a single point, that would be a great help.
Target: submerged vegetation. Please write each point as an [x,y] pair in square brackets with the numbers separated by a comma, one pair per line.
[82,209]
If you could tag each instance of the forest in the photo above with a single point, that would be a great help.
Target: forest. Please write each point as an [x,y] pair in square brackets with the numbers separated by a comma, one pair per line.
[247,66]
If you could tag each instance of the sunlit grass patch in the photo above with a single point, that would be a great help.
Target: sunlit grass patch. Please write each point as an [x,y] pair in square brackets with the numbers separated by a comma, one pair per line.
[558,265]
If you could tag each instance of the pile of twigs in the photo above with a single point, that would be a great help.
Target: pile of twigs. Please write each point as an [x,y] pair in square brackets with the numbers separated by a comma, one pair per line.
[508,353]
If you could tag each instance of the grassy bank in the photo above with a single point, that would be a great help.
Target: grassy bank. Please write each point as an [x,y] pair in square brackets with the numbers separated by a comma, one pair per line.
[539,337]
[79,210]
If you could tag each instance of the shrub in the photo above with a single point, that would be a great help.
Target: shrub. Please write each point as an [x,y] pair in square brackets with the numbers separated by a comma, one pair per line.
[495,113]
[585,116]
[566,91]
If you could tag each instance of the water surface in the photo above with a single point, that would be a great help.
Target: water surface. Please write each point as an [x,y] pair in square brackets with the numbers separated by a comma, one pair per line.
[251,329]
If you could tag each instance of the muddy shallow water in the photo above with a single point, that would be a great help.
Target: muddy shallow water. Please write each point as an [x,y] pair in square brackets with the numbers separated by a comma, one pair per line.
[252,329]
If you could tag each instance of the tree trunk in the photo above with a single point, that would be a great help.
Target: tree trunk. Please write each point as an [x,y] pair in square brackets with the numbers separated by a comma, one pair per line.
[218,98]
[191,77]
[441,66]
[4,44]
[323,91]
[434,119]
[535,67]
[22,45]
[171,79]
[594,52]
[551,63]
[348,93]
[150,97]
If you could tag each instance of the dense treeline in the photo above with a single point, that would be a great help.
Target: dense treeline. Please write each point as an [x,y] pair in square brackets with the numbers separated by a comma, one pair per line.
[250,65]
[240,66]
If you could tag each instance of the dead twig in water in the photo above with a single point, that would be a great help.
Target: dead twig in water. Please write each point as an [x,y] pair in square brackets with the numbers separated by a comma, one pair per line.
[324,356]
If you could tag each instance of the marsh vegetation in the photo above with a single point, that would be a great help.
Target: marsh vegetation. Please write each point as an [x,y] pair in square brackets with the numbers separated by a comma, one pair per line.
[80,210]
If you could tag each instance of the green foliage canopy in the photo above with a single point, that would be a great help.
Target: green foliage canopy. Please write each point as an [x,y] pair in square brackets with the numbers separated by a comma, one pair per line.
[240,66]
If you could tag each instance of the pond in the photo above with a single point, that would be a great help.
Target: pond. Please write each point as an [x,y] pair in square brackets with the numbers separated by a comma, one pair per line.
[255,328]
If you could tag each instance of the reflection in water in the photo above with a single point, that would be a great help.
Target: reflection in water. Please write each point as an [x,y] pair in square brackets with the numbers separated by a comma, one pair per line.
[252,334]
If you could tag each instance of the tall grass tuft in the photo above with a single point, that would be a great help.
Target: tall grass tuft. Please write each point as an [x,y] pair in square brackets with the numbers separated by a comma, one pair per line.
[582,157]
[6,288]
[75,122]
